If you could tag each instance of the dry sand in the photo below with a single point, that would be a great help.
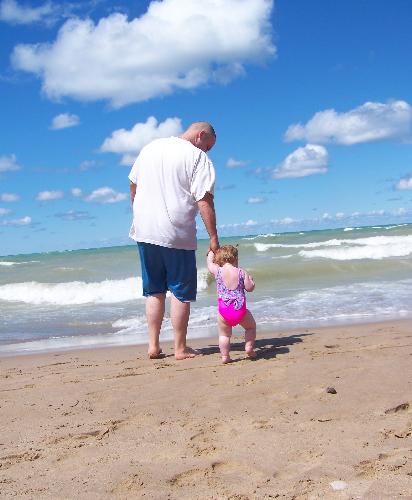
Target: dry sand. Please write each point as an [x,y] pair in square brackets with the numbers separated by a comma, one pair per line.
[109,423]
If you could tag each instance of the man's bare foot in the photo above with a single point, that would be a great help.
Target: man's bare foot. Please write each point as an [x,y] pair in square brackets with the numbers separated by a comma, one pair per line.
[226,359]
[156,354]
[187,353]
[251,354]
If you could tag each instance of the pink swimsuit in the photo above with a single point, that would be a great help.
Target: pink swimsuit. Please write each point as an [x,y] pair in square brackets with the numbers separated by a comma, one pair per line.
[231,303]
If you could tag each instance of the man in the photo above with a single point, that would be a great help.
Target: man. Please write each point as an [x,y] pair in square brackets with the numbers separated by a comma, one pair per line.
[171,180]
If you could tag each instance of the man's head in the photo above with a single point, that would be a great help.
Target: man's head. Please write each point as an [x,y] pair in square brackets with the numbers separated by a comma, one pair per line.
[201,134]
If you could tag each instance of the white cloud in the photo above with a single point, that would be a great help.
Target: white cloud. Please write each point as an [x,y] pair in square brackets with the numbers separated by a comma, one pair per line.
[76,192]
[238,225]
[8,163]
[309,160]
[9,197]
[176,44]
[129,142]
[4,211]
[24,221]
[73,215]
[373,121]
[286,220]
[49,195]
[87,165]
[250,222]
[13,13]
[232,163]
[405,183]
[105,195]
[255,200]
[64,120]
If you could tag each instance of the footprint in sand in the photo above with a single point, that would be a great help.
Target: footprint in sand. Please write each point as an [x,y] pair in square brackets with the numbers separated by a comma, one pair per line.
[218,475]
[385,462]
[10,460]
[203,441]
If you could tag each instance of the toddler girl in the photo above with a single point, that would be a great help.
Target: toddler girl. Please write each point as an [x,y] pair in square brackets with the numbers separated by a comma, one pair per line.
[231,283]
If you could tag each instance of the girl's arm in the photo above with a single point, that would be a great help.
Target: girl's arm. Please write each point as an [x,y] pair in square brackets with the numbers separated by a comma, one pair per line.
[248,281]
[210,264]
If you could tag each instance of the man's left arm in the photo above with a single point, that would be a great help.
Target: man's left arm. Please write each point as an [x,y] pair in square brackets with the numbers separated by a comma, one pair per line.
[207,211]
[132,191]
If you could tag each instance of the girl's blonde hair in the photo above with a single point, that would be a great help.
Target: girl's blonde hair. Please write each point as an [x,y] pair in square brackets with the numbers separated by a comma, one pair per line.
[226,253]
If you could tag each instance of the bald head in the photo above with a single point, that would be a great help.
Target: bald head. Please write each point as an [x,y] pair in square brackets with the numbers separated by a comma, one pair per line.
[201,134]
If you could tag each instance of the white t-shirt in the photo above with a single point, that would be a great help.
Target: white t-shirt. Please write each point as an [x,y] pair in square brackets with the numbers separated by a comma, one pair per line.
[171,175]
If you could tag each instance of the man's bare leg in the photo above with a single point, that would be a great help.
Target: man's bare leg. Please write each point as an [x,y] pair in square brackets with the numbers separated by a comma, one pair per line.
[155,310]
[179,315]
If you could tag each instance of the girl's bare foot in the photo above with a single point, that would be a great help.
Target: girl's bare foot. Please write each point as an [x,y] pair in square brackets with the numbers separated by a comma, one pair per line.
[251,354]
[187,353]
[226,359]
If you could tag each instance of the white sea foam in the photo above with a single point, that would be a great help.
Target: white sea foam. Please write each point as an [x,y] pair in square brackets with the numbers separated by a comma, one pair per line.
[348,229]
[270,235]
[72,293]
[80,292]
[375,248]
[263,247]
[9,263]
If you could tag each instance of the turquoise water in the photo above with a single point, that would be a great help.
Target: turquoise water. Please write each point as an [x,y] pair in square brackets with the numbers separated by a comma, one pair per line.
[62,300]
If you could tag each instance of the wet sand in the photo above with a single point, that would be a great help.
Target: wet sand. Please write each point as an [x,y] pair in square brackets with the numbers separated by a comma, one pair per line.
[110,423]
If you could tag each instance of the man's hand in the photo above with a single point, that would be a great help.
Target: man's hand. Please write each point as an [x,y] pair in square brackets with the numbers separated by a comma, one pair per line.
[214,244]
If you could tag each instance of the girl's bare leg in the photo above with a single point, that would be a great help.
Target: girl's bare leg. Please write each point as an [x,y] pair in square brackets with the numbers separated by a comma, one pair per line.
[225,332]
[249,324]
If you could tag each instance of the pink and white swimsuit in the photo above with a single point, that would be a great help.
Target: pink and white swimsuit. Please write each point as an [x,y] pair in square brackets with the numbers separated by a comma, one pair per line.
[231,303]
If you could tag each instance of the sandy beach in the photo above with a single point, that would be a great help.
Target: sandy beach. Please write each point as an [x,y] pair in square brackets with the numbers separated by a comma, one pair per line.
[109,423]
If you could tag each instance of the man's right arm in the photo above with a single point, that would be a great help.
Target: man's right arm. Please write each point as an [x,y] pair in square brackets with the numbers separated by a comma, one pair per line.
[207,211]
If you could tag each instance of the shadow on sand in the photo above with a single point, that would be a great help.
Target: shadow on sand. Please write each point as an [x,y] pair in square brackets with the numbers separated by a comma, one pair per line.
[265,348]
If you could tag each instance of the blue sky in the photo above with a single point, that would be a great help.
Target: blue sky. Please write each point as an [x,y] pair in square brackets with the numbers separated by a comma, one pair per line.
[311,102]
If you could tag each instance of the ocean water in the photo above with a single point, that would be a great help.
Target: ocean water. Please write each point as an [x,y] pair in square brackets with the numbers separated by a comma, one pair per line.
[84,298]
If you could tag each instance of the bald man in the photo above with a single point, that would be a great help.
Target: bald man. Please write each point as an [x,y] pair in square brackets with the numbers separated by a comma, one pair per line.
[171,181]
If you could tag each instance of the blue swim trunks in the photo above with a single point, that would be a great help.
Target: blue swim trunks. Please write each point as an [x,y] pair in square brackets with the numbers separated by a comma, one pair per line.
[168,269]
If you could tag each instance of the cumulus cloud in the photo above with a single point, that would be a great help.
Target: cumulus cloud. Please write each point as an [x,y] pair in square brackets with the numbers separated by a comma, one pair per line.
[405,183]
[87,165]
[105,195]
[4,211]
[76,192]
[9,197]
[253,200]
[49,195]
[286,221]
[8,163]
[129,142]
[373,121]
[309,160]
[74,215]
[239,225]
[64,120]
[130,61]
[232,163]
[24,221]
[13,13]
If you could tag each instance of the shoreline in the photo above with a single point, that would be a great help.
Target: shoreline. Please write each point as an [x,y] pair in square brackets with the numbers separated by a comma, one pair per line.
[110,423]
[191,340]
